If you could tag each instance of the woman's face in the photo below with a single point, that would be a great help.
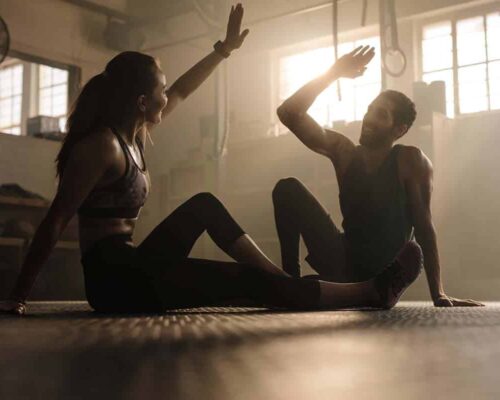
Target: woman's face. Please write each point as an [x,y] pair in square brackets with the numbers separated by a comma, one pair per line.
[157,101]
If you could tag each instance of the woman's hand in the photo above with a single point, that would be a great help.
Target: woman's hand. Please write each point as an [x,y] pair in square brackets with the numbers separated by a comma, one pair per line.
[12,307]
[353,64]
[234,39]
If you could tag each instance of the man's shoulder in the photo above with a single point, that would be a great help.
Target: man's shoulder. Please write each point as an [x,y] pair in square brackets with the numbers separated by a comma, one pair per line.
[340,150]
[414,161]
[338,139]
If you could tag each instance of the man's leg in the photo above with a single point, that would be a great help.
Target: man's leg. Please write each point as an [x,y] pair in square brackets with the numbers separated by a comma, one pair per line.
[297,212]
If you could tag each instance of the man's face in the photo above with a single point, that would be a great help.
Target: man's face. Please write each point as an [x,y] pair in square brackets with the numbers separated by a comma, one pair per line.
[378,127]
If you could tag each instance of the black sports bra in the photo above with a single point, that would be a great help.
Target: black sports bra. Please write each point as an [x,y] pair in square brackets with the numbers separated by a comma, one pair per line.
[124,197]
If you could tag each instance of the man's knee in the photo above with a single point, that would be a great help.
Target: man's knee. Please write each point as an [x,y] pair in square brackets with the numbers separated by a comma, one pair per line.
[411,253]
[286,187]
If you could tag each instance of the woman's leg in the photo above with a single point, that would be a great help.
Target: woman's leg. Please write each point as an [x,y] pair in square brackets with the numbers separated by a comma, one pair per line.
[175,237]
[297,212]
[193,282]
[245,250]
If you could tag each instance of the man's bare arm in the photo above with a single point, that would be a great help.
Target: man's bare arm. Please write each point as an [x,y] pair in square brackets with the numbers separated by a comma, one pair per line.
[302,125]
[419,190]
[293,112]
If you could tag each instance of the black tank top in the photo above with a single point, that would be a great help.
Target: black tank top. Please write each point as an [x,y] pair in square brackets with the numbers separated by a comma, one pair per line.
[375,210]
[124,197]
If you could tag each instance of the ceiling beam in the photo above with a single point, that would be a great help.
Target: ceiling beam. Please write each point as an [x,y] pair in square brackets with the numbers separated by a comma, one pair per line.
[99,9]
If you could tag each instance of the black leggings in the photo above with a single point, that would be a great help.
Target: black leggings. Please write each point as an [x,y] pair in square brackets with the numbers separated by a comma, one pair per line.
[297,212]
[158,274]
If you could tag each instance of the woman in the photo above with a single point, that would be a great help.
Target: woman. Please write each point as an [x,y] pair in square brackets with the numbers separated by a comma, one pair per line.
[103,177]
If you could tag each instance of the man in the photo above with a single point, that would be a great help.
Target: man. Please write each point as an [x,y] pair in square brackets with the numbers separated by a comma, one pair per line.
[385,189]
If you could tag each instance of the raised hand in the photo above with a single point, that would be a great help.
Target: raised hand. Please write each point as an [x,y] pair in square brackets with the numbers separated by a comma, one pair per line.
[447,301]
[234,39]
[353,64]
[12,307]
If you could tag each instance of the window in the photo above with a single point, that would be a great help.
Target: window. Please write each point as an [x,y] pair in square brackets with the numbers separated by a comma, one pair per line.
[29,87]
[297,69]
[53,93]
[11,91]
[465,55]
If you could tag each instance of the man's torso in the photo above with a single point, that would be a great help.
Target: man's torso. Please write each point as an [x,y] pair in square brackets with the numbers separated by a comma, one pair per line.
[373,199]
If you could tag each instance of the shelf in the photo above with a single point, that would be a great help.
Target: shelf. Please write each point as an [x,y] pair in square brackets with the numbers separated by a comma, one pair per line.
[12,242]
[19,201]
[20,242]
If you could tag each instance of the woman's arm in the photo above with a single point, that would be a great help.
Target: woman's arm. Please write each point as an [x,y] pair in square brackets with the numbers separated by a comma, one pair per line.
[81,174]
[195,76]
[43,243]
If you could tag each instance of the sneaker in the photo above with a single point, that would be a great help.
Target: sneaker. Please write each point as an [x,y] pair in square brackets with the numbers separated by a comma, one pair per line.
[399,274]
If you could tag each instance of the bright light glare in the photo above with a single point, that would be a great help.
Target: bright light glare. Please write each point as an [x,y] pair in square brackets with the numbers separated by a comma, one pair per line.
[298,69]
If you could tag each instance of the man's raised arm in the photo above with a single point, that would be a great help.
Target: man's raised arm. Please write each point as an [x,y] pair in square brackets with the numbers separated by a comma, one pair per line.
[293,112]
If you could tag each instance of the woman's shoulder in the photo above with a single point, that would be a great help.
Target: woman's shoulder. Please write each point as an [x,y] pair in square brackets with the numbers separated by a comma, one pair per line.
[100,141]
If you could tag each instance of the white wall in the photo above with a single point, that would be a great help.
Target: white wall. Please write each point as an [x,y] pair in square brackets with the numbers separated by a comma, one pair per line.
[58,31]
[29,162]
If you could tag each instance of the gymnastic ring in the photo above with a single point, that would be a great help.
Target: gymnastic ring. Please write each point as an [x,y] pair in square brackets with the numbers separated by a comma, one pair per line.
[403,58]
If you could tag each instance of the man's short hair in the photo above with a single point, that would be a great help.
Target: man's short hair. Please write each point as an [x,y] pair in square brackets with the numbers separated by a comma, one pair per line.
[404,109]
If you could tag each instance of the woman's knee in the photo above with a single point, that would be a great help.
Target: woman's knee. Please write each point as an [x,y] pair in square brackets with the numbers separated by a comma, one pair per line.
[287,187]
[205,199]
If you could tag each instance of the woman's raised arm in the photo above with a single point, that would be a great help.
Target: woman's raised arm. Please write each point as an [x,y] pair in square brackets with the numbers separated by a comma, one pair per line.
[196,75]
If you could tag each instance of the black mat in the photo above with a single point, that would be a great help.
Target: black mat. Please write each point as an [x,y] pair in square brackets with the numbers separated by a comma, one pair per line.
[65,351]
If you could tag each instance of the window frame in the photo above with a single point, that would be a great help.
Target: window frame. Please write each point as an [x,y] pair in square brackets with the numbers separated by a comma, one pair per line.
[51,87]
[453,16]
[31,90]
[12,63]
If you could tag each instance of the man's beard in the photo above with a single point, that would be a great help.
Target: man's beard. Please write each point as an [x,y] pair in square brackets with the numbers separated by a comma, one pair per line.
[372,140]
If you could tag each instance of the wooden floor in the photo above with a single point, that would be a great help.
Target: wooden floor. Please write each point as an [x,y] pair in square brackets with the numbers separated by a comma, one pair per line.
[62,350]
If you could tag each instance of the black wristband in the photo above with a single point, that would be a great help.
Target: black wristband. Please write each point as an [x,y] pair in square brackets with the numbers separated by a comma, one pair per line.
[219,48]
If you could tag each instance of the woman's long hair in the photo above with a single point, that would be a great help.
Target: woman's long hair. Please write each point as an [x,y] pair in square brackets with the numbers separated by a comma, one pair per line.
[108,98]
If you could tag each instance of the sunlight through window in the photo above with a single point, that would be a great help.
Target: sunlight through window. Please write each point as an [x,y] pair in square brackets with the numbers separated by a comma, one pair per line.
[11,91]
[53,93]
[298,69]
[476,73]
[437,49]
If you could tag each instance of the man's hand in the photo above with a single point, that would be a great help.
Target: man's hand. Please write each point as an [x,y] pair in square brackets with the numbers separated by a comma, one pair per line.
[234,39]
[447,301]
[353,64]
[12,307]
